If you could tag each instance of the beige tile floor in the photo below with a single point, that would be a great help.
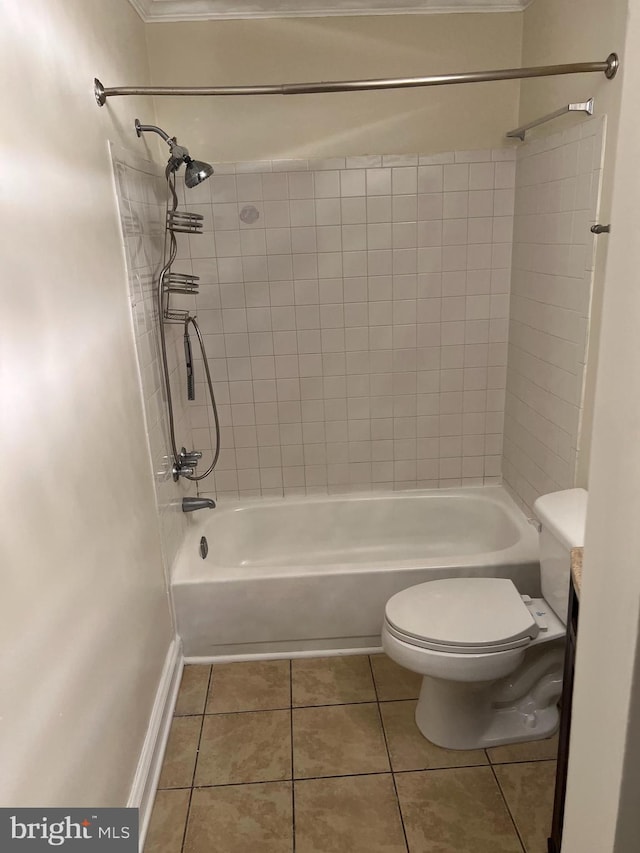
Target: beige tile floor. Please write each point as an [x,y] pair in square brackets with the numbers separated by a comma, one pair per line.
[323,756]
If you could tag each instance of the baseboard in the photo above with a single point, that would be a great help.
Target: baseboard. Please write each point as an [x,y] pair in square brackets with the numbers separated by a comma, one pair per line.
[310,653]
[145,782]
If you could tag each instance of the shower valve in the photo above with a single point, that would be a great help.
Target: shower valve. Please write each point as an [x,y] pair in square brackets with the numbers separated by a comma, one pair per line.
[180,470]
[190,457]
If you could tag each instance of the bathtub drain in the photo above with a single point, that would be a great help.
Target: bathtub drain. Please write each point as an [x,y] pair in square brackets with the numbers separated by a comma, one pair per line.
[204,547]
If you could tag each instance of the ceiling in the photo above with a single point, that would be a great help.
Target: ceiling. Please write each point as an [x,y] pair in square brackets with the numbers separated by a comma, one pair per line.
[194,10]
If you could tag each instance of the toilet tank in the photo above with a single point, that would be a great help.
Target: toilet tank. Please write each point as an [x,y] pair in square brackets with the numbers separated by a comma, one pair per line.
[562,517]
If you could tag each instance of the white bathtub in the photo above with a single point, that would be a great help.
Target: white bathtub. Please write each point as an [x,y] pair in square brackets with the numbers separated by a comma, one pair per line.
[314,573]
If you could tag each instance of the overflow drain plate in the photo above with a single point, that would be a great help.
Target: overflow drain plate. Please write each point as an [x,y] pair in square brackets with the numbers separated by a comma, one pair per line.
[204,547]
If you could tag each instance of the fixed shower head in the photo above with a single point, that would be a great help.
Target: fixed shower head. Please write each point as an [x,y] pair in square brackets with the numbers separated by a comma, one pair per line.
[196,171]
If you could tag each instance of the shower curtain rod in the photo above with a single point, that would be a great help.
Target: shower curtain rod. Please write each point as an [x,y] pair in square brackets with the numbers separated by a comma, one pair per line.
[609,68]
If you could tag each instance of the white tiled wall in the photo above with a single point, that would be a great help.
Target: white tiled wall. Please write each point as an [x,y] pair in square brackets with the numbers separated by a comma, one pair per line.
[141,192]
[557,192]
[355,314]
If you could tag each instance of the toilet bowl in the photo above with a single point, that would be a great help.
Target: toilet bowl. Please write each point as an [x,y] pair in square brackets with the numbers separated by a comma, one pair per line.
[491,659]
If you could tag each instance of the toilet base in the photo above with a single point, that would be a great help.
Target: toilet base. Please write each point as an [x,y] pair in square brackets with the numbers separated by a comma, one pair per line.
[458,715]
[472,701]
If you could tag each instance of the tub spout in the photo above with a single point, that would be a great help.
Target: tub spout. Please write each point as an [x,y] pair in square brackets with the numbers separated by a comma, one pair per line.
[192,504]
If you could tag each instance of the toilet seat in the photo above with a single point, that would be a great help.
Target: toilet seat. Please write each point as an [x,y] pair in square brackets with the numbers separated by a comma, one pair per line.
[463,616]
[451,649]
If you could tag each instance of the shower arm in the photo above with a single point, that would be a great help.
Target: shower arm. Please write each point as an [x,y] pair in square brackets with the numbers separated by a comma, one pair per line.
[151,128]
[609,68]
[179,154]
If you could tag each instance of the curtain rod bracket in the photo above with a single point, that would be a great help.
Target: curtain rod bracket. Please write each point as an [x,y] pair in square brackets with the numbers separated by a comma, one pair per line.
[613,61]
[99,92]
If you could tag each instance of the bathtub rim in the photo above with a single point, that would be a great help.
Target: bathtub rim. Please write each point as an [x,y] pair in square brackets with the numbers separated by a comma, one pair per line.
[188,568]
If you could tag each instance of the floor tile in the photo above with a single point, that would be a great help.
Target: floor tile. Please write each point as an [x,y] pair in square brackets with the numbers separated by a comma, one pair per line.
[193,690]
[180,755]
[337,740]
[248,747]
[168,820]
[533,750]
[394,681]
[344,794]
[241,819]
[410,750]
[249,686]
[528,790]
[332,681]
[455,811]
[358,814]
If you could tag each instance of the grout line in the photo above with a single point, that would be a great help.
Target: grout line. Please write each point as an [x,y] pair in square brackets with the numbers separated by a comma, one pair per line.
[386,746]
[407,699]
[186,716]
[248,711]
[195,765]
[292,707]
[505,801]
[186,821]
[293,790]
[438,769]
[335,776]
[519,761]
[289,779]
[177,788]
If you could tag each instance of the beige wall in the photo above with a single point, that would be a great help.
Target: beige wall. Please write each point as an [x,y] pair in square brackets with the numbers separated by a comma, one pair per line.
[602,804]
[577,31]
[84,620]
[298,50]
[84,613]
[601,808]
[570,31]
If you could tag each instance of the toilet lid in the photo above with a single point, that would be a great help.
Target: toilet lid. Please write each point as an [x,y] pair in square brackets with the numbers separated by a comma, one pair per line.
[462,612]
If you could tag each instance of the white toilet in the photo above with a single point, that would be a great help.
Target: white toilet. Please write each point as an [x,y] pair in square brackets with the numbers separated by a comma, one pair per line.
[491,658]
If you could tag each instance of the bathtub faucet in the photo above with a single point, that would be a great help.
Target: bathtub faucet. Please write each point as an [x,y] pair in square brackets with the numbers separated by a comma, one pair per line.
[192,504]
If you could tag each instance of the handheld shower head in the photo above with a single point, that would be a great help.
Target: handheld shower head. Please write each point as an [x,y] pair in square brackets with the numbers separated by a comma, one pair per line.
[196,171]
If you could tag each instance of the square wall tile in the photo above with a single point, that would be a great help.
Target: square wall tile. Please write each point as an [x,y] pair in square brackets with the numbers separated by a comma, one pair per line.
[342,276]
[540,246]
